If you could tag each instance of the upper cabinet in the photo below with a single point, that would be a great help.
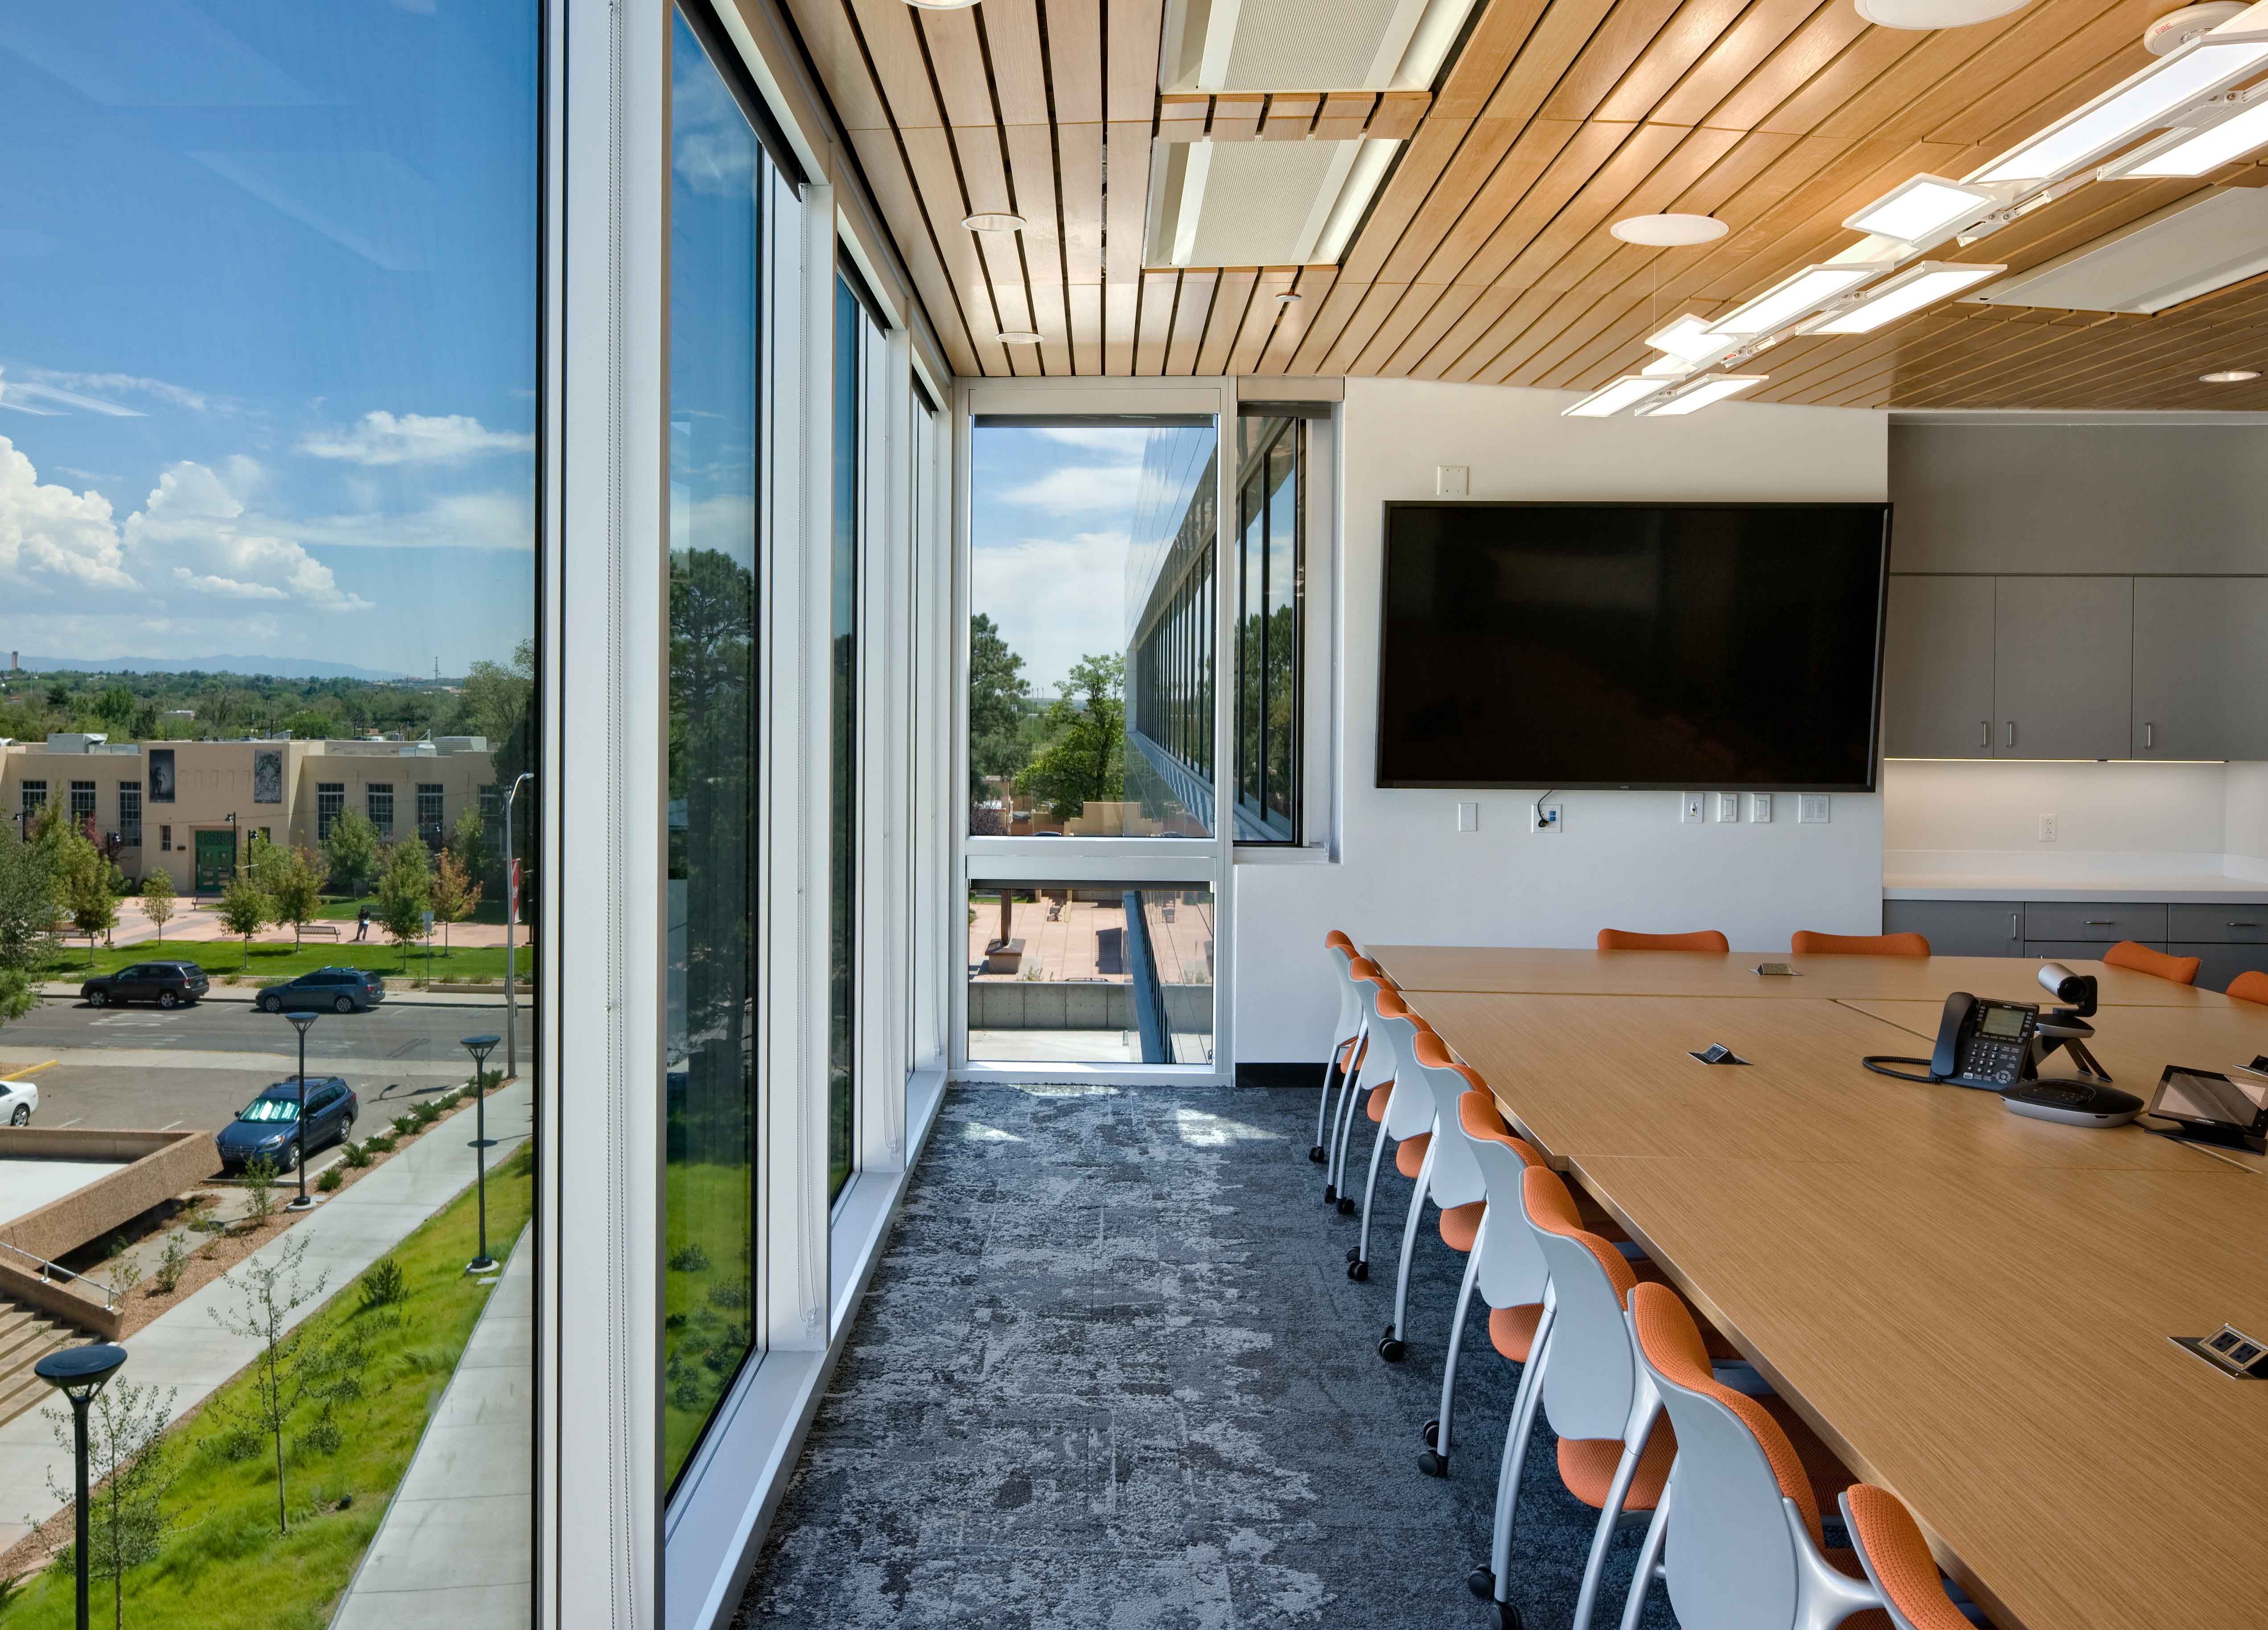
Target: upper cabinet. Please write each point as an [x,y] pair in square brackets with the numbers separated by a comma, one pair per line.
[2024,666]
[2201,668]
[2063,666]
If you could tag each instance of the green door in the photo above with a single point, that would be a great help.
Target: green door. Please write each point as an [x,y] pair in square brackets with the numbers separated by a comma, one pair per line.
[216,860]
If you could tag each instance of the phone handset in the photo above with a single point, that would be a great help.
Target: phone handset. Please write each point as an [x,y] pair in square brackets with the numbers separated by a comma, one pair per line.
[1980,1043]
[1945,1060]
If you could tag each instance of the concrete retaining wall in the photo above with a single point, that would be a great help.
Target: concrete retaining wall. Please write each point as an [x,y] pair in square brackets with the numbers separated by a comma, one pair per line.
[1078,1005]
[61,1301]
[162,1165]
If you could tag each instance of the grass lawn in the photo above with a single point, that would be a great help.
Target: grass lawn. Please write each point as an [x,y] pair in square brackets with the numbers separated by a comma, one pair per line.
[273,959]
[705,1293]
[223,1565]
[489,910]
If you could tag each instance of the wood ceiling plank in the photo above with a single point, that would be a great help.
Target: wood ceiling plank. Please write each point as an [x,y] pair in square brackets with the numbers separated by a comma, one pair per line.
[832,41]
[900,71]
[1122,309]
[1031,168]
[1136,33]
[1184,118]
[1020,67]
[1448,342]
[1159,291]
[1192,311]
[2178,349]
[1497,168]
[1477,361]
[1345,296]
[1416,169]
[1813,46]
[1231,297]
[1551,48]
[1084,301]
[1685,40]
[1571,168]
[1496,41]
[1290,116]
[1313,284]
[1075,60]
[1259,322]
[956,60]
[1236,118]
[1621,38]
[1874,54]
[1125,201]
[879,155]
[1361,325]
[1424,314]
[1079,173]
[1397,114]
[1949,71]
[1344,115]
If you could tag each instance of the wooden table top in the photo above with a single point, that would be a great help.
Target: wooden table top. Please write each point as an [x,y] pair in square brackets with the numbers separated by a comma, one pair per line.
[1973,1307]
[1682,973]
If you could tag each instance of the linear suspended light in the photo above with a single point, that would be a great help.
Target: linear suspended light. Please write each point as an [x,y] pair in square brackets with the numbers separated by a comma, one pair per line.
[1689,338]
[1609,400]
[1922,208]
[2206,67]
[1922,285]
[2203,151]
[1798,296]
[1699,394]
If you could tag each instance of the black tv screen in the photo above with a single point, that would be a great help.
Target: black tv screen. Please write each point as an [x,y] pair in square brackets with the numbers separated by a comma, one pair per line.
[1699,646]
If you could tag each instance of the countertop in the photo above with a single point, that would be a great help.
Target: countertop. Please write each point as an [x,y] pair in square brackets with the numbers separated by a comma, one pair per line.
[2189,889]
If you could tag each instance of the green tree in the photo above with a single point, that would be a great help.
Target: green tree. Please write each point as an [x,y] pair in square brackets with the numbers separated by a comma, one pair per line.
[454,893]
[116,708]
[158,899]
[1084,759]
[312,724]
[998,691]
[129,1468]
[243,908]
[405,891]
[469,839]
[292,1362]
[292,880]
[27,923]
[89,895]
[352,851]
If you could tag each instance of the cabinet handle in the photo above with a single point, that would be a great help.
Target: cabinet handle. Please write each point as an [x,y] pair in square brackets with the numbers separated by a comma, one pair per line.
[2014,932]
[2149,734]
[1984,732]
[2012,734]
[2097,922]
[2240,925]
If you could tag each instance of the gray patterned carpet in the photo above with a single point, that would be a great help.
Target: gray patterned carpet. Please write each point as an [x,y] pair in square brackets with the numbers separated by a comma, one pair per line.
[1111,1373]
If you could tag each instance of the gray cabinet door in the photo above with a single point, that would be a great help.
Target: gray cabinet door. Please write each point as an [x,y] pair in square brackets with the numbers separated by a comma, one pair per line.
[1959,927]
[1937,668]
[2201,668]
[2220,963]
[2099,923]
[2063,666]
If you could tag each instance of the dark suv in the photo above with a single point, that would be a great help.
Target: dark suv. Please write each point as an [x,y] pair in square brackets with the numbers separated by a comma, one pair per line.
[269,1128]
[169,984]
[327,990]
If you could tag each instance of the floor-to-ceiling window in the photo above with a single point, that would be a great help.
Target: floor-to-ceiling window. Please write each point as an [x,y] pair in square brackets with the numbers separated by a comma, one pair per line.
[1269,618]
[722,188]
[855,336]
[268,349]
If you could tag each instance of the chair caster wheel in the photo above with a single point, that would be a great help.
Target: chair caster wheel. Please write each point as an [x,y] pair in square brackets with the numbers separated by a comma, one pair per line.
[1391,1350]
[1432,1465]
[1330,1192]
[1507,1617]
[1359,1272]
[1354,1253]
[1316,1153]
[1482,1583]
[1346,1205]
[1432,1434]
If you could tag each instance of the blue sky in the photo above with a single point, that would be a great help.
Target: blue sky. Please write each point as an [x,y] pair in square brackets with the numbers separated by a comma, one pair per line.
[267,328]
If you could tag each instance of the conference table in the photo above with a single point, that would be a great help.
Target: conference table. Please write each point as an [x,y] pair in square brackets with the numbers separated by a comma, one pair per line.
[1972,1307]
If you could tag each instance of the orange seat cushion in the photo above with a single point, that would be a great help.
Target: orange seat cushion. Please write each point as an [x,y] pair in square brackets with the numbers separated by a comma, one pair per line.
[1512,1330]
[1699,939]
[2249,986]
[1409,1154]
[1806,943]
[1827,1475]
[1881,1521]
[2142,959]
[1461,1225]
[1586,1466]
[1374,1106]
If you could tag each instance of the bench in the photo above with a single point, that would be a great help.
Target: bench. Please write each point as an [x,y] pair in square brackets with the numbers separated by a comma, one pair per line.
[319,931]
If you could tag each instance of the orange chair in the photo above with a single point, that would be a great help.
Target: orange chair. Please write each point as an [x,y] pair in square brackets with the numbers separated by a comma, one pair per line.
[2157,964]
[1805,943]
[2250,987]
[1701,939]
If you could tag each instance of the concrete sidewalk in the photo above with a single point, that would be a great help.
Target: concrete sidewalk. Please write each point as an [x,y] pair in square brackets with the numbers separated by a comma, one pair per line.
[185,1350]
[454,1551]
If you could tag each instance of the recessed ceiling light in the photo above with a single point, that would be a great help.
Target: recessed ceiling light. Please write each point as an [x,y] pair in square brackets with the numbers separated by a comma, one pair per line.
[1288,299]
[1934,14]
[1019,336]
[2229,376]
[941,5]
[1669,231]
[993,221]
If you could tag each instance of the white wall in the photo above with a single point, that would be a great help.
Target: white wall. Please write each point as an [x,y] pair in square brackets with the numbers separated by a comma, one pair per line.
[2245,820]
[1940,818]
[1403,871]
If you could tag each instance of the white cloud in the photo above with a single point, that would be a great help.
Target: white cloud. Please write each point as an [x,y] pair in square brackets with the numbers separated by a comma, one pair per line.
[1054,599]
[193,535]
[22,394]
[1082,489]
[49,534]
[502,520]
[125,384]
[1124,444]
[382,438]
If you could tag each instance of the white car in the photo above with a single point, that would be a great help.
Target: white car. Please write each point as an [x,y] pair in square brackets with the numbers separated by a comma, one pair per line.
[18,1099]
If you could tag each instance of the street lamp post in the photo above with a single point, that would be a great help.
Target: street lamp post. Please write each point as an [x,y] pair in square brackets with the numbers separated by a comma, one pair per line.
[79,1374]
[302,1022]
[510,911]
[479,1047]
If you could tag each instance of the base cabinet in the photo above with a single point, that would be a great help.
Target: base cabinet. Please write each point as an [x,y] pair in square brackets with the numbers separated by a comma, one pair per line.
[2227,941]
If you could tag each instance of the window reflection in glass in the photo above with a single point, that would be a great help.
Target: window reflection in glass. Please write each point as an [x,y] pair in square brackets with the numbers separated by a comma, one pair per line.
[720,181]
[1269,607]
[853,347]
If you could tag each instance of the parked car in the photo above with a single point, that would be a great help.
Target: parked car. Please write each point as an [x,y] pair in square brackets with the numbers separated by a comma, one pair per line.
[18,1099]
[270,1125]
[329,990]
[169,984]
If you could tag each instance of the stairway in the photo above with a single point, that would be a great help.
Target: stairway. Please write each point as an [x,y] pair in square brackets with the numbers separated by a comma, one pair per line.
[27,1335]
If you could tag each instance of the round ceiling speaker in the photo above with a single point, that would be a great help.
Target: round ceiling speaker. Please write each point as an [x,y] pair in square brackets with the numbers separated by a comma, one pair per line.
[993,221]
[1669,231]
[1289,299]
[2229,376]
[2175,29]
[941,5]
[1934,14]
[1018,337]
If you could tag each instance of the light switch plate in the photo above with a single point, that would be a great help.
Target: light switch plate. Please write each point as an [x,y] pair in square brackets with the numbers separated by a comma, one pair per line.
[1469,817]
[1546,818]
[1728,806]
[1812,809]
[1760,809]
[1693,806]
[1451,481]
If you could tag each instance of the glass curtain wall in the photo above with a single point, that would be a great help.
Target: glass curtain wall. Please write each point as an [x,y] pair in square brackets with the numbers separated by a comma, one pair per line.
[268,480]
[724,197]
[857,344]
[1270,615]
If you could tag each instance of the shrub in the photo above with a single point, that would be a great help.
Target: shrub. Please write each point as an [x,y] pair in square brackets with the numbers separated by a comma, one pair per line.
[125,1275]
[171,1262]
[260,1181]
[331,1178]
[240,1440]
[379,1143]
[407,1126]
[688,1259]
[323,1437]
[425,1114]
[354,1155]
[383,1285]
[729,1296]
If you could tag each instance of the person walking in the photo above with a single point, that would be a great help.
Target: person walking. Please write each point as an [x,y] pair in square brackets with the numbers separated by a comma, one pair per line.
[362,925]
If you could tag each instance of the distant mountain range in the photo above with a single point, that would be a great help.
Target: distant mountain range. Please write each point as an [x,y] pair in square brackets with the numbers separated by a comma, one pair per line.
[274,668]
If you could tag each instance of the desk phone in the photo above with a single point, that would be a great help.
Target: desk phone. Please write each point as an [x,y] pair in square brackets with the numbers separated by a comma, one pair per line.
[1981,1043]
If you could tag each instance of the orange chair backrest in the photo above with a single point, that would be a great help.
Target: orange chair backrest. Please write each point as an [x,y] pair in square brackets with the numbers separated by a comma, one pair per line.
[2250,987]
[1805,943]
[1432,1051]
[1700,939]
[1480,1116]
[1362,967]
[1337,938]
[1898,1557]
[2157,964]
[1390,1006]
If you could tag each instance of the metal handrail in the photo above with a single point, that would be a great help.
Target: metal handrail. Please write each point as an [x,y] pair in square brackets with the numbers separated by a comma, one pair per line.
[47,1268]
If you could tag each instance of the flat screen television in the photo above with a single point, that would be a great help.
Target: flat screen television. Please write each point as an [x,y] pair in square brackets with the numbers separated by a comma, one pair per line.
[1698,646]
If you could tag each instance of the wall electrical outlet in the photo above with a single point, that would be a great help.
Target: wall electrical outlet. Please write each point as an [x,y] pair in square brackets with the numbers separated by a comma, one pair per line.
[1545,818]
[1760,809]
[2047,829]
[1451,481]
[1469,817]
[1811,808]
[1728,806]
[1694,807]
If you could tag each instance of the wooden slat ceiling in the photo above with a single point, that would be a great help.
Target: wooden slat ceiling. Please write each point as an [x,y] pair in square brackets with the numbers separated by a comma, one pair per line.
[1486,256]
